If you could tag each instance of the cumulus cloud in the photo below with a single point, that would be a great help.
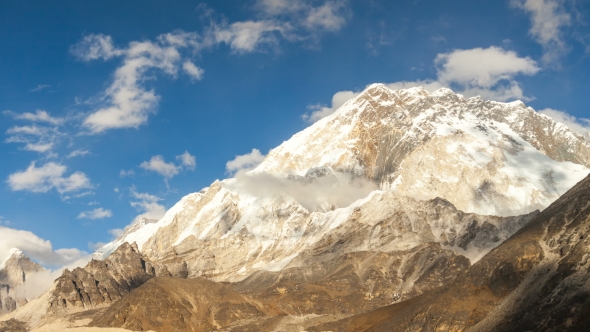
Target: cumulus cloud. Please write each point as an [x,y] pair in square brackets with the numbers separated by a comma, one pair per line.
[548,18]
[579,125]
[158,165]
[323,193]
[47,177]
[244,162]
[486,72]
[319,111]
[187,161]
[98,213]
[167,170]
[192,70]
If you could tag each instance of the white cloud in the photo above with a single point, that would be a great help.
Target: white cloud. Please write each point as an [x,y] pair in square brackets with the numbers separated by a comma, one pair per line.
[249,35]
[78,153]
[41,251]
[41,87]
[244,162]
[116,232]
[38,116]
[489,73]
[98,213]
[580,126]
[188,161]
[481,67]
[93,47]
[36,138]
[548,17]
[328,16]
[36,248]
[49,176]
[125,173]
[148,205]
[128,102]
[322,194]
[319,111]
[194,71]
[158,165]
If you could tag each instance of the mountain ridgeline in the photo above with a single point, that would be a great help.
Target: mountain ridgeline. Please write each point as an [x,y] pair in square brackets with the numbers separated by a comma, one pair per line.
[403,210]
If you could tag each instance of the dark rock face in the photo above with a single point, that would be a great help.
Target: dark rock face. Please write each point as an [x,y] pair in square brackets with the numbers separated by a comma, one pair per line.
[535,281]
[102,283]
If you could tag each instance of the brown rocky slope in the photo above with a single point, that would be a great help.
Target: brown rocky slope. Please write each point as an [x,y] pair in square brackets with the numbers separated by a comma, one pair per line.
[536,281]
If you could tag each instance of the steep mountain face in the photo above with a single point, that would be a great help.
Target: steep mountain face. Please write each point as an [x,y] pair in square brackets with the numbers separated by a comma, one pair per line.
[371,155]
[483,156]
[536,281]
[14,271]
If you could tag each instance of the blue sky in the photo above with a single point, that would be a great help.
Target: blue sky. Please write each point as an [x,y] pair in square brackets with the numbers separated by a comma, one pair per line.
[111,109]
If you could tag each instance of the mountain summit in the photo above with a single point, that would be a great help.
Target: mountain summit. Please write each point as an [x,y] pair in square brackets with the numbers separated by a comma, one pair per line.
[14,271]
[483,156]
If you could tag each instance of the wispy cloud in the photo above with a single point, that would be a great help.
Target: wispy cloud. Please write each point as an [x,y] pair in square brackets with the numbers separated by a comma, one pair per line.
[127,103]
[548,18]
[123,173]
[98,213]
[40,137]
[41,87]
[78,153]
[38,116]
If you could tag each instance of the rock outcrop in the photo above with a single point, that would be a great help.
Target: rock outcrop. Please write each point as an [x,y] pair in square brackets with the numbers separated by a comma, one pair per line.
[101,283]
